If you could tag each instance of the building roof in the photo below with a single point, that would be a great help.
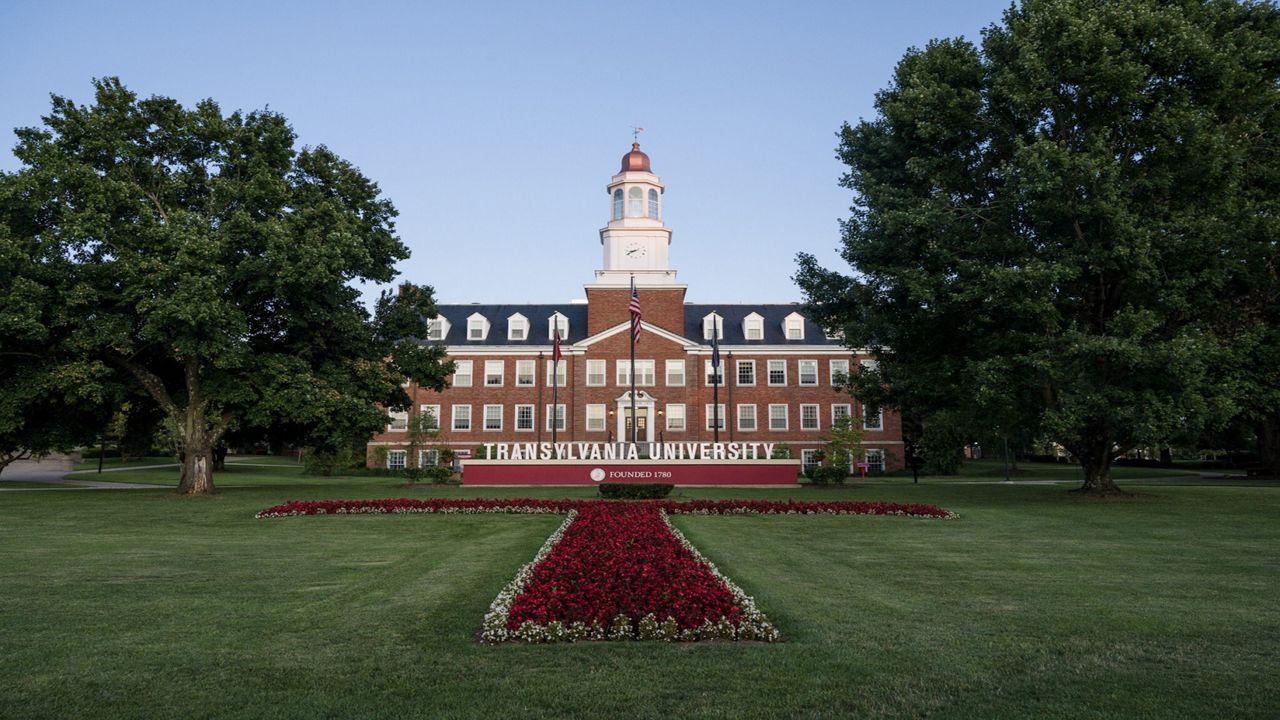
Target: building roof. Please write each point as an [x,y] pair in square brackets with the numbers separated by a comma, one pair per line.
[773,317]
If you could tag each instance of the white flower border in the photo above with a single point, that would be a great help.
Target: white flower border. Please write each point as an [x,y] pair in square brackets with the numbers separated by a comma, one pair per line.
[495,621]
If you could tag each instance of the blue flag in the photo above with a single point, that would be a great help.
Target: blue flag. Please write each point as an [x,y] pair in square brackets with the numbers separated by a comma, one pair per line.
[715,351]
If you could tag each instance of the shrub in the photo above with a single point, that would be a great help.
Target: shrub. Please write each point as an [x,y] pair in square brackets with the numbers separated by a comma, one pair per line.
[437,474]
[635,491]
[828,474]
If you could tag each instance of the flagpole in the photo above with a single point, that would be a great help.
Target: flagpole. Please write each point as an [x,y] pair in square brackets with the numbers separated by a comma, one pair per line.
[634,424]
[555,384]
[715,381]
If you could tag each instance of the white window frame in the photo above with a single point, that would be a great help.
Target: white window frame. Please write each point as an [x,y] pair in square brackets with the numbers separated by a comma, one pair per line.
[477,328]
[400,418]
[793,327]
[769,372]
[879,420]
[596,418]
[453,418]
[708,322]
[835,412]
[753,424]
[401,455]
[559,414]
[551,327]
[645,372]
[458,374]
[598,369]
[526,369]
[489,373]
[737,374]
[876,465]
[753,324]
[838,368]
[428,457]
[707,375]
[800,366]
[786,417]
[486,427]
[816,411]
[437,328]
[724,421]
[676,417]
[434,411]
[533,420]
[809,458]
[560,370]
[673,365]
[518,327]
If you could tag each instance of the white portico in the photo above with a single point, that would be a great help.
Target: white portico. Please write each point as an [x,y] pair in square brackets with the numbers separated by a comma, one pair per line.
[644,412]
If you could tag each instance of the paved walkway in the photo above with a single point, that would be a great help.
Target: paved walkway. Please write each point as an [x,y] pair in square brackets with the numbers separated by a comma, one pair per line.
[58,476]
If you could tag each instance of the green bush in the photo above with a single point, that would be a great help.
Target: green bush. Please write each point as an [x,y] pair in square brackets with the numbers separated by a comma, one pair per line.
[437,474]
[635,491]
[827,475]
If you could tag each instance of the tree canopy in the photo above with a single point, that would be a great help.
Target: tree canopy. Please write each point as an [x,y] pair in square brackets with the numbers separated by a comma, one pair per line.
[1055,229]
[206,259]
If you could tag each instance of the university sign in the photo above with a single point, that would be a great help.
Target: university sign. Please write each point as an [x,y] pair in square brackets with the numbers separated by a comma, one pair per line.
[728,463]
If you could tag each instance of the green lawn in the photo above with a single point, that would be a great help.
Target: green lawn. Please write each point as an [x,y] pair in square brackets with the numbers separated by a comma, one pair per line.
[1035,603]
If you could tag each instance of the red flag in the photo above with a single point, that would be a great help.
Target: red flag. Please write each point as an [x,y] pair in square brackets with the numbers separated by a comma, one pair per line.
[635,312]
[555,351]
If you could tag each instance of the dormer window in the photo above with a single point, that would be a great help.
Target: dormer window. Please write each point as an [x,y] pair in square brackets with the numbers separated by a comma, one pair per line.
[713,323]
[617,204]
[437,328]
[753,327]
[653,204]
[557,320]
[635,202]
[477,327]
[517,327]
[793,326]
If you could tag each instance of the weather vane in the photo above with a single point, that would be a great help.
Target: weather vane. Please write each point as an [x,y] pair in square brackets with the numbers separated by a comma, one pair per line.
[635,133]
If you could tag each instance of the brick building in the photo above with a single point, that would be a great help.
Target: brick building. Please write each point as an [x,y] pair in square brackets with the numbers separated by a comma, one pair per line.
[778,372]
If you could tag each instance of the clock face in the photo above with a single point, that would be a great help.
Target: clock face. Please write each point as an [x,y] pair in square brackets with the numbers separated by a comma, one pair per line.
[635,250]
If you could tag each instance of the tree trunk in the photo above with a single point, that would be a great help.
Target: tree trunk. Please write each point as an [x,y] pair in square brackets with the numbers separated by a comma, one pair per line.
[1269,444]
[197,455]
[1095,458]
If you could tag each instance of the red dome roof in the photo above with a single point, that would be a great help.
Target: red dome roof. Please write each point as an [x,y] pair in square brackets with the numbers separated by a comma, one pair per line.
[635,161]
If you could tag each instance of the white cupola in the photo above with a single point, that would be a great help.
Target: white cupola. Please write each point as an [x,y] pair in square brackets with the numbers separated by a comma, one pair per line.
[635,241]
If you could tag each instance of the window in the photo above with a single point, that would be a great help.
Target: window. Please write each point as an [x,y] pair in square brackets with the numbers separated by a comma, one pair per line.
[555,416]
[428,458]
[595,373]
[675,373]
[437,328]
[430,415]
[635,201]
[871,365]
[595,418]
[715,376]
[644,372]
[396,459]
[477,327]
[753,327]
[875,460]
[526,373]
[809,417]
[746,372]
[492,418]
[872,418]
[839,372]
[493,373]
[517,327]
[715,416]
[675,417]
[653,204]
[777,372]
[557,373]
[399,421]
[808,459]
[712,323]
[808,372]
[524,418]
[793,326]
[462,373]
[462,418]
[778,417]
[838,412]
[747,418]
[557,321]
[617,204]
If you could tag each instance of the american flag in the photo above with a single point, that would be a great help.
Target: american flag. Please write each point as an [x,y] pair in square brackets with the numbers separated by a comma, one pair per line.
[635,312]
[555,350]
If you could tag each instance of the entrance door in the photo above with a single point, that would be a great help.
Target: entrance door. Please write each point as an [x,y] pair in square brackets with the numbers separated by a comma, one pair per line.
[642,422]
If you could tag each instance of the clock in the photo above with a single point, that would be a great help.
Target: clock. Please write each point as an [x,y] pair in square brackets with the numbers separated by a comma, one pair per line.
[635,250]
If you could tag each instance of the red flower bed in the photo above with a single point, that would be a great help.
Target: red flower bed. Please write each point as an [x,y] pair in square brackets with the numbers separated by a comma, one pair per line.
[621,560]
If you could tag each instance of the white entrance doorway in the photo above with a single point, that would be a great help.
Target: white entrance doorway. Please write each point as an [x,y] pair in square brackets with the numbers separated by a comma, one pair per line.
[644,417]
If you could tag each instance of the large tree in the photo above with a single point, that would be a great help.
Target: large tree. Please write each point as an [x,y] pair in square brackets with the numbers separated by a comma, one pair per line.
[208,260]
[1047,228]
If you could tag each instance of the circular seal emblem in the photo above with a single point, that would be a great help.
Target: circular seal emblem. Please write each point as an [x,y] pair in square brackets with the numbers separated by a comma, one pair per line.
[597,474]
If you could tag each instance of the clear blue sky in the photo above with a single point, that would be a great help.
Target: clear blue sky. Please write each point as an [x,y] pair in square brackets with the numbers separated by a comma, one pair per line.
[494,127]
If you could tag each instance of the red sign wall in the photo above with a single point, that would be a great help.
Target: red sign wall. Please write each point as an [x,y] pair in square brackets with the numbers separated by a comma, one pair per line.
[594,472]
